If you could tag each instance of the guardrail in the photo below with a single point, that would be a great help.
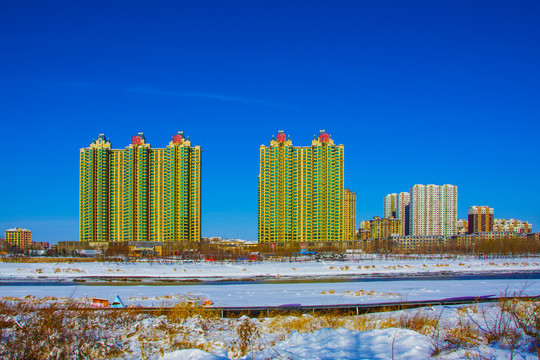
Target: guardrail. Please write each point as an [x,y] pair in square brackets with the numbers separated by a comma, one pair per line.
[346,309]
[341,309]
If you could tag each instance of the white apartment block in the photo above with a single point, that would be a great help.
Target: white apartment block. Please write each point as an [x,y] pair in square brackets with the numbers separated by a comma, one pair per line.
[403,202]
[433,210]
[390,206]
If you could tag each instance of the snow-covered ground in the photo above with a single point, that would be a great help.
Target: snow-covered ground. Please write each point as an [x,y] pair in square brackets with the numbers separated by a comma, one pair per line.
[446,333]
[377,336]
[215,270]
[277,282]
[335,344]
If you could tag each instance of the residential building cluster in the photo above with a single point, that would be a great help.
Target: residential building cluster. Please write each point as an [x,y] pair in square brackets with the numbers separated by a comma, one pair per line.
[302,198]
[140,193]
[512,225]
[21,239]
[426,218]
[484,242]
[149,199]
[425,210]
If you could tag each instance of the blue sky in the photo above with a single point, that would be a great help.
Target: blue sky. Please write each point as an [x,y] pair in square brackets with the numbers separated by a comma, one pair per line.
[418,92]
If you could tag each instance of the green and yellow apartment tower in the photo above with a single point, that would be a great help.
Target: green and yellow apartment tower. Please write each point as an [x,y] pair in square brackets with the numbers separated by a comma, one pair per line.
[301,191]
[140,193]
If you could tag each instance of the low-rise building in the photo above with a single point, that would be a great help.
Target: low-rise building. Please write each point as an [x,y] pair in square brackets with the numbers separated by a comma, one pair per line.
[21,238]
[512,225]
[363,230]
[382,228]
[419,244]
[378,228]
[501,242]
[462,226]
[40,245]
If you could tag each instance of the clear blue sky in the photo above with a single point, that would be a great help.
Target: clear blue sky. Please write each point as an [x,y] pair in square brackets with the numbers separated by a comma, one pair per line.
[418,92]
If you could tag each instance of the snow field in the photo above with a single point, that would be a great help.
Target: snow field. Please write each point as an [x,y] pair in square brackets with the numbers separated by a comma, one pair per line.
[246,270]
[456,332]
[496,331]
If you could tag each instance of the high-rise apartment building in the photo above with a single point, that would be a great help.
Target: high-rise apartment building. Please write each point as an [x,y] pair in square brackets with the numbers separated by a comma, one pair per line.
[433,210]
[403,211]
[21,238]
[301,191]
[390,206]
[349,215]
[140,193]
[480,219]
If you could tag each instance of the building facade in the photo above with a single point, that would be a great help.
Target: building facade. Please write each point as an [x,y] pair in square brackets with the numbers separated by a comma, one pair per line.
[390,206]
[462,226]
[363,232]
[480,219]
[512,225]
[418,244]
[383,228]
[21,238]
[433,210]
[349,215]
[140,193]
[301,191]
[403,211]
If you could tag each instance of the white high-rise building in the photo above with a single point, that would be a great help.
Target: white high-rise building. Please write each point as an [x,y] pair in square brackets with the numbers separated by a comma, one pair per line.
[433,210]
[390,206]
[403,205]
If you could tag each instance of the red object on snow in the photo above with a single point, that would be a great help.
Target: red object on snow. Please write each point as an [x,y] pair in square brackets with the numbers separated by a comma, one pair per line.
[97,302]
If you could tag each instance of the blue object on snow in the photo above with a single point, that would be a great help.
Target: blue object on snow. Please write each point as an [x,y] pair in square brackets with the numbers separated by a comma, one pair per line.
[117,303]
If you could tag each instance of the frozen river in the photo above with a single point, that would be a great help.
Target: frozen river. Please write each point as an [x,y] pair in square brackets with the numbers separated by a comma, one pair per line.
[311,292]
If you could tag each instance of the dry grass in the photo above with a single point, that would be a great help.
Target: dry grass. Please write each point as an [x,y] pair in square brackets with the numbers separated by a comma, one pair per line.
[420,322]
[248,332]
[302,324]
[54,331]
[511,324]
[463,335]
[361,323]
[184,310]
[525,315]
[60,328]
[40,329]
